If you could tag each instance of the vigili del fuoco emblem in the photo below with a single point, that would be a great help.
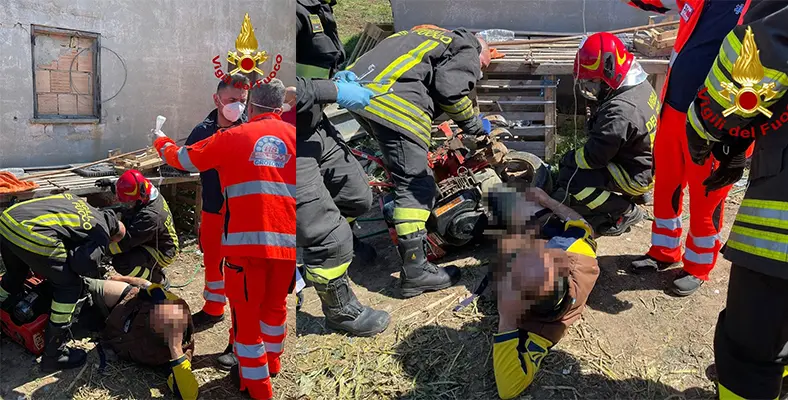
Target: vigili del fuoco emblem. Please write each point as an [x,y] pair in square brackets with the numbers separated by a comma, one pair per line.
[748,72]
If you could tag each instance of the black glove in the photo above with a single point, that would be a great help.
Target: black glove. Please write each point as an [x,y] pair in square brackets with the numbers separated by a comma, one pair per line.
[732,160]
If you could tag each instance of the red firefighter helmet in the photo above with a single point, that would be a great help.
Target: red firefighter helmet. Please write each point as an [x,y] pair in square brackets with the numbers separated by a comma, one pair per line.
[603,56]
[132,186]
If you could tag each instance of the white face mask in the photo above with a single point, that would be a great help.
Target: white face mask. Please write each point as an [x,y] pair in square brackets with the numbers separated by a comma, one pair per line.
[279,110]
[233,111]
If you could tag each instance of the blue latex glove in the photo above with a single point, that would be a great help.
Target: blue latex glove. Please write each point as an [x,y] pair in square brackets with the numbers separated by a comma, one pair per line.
[352,96]
[346,76]
[486,125]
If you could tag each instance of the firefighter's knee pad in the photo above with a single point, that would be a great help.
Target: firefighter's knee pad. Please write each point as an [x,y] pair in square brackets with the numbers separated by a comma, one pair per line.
[517,357]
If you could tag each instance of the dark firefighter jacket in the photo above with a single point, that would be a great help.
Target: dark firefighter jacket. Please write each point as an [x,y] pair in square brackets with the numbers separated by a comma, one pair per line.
[64,228]
[430,72]
[620,138]
[319,53]
[212,198]
[150,226]
[743,99]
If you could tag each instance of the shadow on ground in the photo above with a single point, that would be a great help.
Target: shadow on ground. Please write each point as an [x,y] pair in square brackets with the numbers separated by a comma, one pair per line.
[433,361]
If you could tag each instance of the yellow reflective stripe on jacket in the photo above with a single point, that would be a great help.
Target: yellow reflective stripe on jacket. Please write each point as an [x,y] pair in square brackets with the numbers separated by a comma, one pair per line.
[114,248]
[169,223]
[397,117]
[63,308]
[57,196]
[59,219]
[460,111]
[422,120]
[402,64]
[311,71]
[160,257]
[27,232]
[599,200]
[769,213]
[769,245]
[697,126]
[622,179]
[580,158]
[22,238]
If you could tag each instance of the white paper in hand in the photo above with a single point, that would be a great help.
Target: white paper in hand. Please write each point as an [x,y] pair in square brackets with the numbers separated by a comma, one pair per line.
[160,122]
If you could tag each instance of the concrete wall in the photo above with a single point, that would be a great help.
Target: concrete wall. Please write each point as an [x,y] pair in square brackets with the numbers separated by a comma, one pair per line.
[518,15]
[167,46]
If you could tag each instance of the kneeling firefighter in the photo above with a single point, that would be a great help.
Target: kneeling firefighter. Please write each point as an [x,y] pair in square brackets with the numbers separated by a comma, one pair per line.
[615,166]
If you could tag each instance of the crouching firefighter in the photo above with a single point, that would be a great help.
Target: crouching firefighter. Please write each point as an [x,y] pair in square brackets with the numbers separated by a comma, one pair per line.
[545,271]
[422,74]
[742,101]
[151,242]
[148,325]
[332,186]
[615,166]
[61,238]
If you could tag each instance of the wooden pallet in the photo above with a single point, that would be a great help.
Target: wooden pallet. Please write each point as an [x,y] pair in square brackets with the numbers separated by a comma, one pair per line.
[528,102]
[656,42]
[147,161]
[370,37]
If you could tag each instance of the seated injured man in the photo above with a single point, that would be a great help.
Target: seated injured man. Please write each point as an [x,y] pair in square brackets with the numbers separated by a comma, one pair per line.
[544,273]
[149,325]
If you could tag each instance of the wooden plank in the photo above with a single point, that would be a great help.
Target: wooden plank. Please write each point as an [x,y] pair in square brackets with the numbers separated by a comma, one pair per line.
[513,116]
[521,100]
[550,116]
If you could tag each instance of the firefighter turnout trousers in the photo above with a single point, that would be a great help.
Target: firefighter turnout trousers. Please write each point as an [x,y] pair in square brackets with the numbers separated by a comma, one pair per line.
[140,263]
[676,171]
[257,289]
[66,284]
[751,340]
[211,226]
[595,194]
[406,160]
[331,188]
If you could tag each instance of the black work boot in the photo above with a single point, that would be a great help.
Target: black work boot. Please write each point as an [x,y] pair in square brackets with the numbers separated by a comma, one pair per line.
[57,355]
[649,264]
[203,320]
[686,284]
[227,360]
[344,312]
[363,253]
[625,222]
[418,274]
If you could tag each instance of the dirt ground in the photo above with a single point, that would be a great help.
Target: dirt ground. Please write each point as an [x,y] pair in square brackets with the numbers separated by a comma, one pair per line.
[634,341]
[20,377]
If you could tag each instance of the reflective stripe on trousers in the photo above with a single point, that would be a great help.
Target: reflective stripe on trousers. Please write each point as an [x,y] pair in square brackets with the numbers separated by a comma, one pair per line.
[208,296]
[271,330]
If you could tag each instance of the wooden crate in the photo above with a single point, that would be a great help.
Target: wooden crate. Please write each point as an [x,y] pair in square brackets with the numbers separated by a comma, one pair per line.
[144,162]
[656,42]
[370,37]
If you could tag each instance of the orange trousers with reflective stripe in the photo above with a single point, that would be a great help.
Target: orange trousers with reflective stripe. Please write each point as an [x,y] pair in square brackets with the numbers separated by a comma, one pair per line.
[257,289]
[211,226]
[673,171]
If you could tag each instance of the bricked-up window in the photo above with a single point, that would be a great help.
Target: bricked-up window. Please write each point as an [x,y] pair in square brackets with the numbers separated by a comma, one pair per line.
[65,71]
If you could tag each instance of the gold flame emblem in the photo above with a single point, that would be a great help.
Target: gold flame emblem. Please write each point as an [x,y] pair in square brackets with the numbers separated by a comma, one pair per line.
[246,45]
[748,72]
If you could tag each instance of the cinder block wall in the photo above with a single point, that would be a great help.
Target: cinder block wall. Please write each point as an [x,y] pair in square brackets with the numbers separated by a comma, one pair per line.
[167,47]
